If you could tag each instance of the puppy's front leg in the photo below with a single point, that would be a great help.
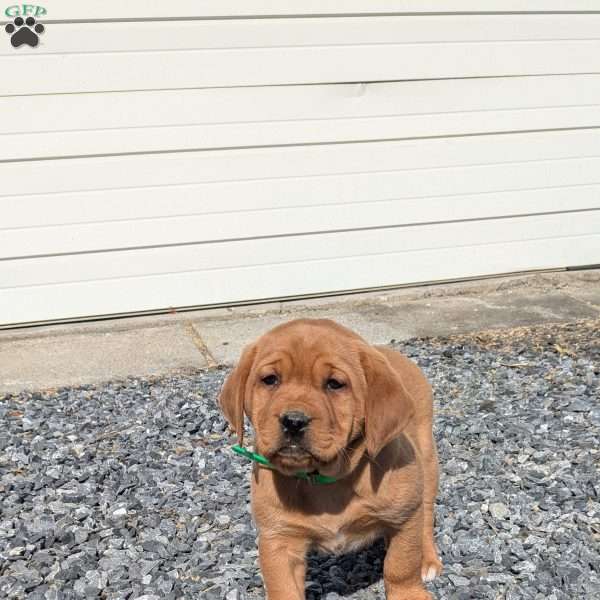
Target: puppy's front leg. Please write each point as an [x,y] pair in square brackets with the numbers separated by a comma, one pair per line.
[402,566]
[283,566]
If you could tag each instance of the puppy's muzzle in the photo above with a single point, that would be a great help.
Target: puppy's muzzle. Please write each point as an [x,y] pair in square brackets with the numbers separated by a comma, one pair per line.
[294,424]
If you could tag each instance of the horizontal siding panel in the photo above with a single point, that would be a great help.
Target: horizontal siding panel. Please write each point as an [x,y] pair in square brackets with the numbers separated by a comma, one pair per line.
[261,105]
[202,288]
[245,224]
[198,137]
[269,251]
[127,122]
[69,73]
[267,163]
[181,160]
[443,187]
[86,38]
[143,9]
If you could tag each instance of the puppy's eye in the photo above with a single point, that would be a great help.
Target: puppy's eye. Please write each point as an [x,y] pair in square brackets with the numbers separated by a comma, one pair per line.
[333,384]
[270,380]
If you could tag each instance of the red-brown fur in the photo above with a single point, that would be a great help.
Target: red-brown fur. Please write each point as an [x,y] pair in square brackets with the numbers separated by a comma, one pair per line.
[374,435]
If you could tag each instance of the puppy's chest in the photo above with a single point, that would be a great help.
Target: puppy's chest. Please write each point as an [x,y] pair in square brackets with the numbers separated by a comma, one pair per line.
[343,541]
[337,535]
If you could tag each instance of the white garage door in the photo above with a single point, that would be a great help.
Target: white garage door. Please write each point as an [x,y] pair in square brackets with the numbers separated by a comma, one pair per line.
[158,155]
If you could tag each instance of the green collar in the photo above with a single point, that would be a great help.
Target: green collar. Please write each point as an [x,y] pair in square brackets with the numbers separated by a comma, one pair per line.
[262,460]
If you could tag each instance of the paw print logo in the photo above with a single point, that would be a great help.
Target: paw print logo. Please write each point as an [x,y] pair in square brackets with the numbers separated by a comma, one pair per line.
[24,32]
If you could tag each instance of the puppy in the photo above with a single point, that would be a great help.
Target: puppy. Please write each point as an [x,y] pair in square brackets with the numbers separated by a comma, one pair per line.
[323,401]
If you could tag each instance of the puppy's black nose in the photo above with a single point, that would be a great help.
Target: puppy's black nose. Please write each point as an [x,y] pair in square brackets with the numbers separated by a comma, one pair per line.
[294,422]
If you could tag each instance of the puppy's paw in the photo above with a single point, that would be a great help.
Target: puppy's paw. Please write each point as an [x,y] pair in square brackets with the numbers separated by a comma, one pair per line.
[431,567]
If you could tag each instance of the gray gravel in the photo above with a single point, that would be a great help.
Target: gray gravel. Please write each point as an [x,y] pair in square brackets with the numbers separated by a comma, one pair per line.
[128,490]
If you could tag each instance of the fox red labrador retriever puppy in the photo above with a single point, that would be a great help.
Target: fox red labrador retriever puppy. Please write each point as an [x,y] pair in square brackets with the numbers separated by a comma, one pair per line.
[356,419]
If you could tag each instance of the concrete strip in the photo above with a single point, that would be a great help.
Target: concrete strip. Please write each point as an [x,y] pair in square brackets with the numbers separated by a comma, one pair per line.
[447,316]
[80,353]
[68,360]
[586,288]
[225,338]
[591,297]
[381,322]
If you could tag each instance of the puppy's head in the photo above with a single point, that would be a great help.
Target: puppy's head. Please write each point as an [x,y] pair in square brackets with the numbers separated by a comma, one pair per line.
[313,390]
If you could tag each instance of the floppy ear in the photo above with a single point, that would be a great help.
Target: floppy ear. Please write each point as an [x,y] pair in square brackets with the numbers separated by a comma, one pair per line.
[233,392]
[388,405]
